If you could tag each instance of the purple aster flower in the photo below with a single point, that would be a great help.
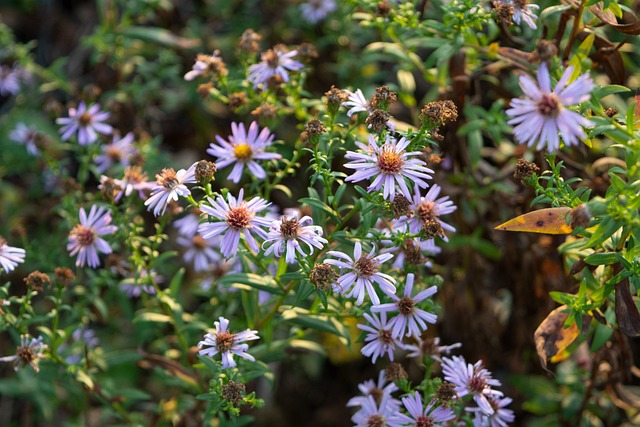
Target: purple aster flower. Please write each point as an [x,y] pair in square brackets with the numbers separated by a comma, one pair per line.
[243,149]
[134,179]
[471,379]
[410,318]
[379,339]
[118,151]
[29,352]
[85,240]
[413,252]
[357,102]
[200,251]
[134,286]
[26,135]
[543,114]
[187,226]
[286,234]
[390,164]
[9,82]
[419,416]
[501,417]
[523,11]
[170,185]
[372,414]
[378,391]
[207,64]
[314,11]
[365,271]
[86,122]
[427,210]
[10,257]
[430,347]
[236,217]
[226,343]
[275,62]
[83,339]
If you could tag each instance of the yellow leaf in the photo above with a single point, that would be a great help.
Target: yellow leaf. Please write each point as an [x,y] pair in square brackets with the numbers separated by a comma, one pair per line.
[552,339]
[547,221]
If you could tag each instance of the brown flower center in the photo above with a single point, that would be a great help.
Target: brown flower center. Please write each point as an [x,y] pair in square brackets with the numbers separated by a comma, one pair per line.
[366,266]
[390,162]
[427,211]
[239,218]
[134,174]
[114,153]
[242,151]
[199,242]
[85,119]
[377,394]
[2,241]
[271,58]
[405,306]
[168,178]
[25,354]
[386,336]
[477,384]
[376,421]
[424,421]
[289,228]
[84,235]
[224,341]
[549,105]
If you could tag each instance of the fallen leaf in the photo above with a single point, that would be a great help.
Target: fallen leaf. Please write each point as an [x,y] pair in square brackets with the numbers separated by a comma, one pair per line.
[552,339]
[547,221]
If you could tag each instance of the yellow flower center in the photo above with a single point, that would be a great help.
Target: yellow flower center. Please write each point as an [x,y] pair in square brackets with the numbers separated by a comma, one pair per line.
[242,151]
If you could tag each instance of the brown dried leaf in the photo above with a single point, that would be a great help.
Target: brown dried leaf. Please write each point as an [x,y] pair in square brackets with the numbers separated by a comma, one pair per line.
[632,29]
[547,221]
[552,339]
[608,56]
[626,310]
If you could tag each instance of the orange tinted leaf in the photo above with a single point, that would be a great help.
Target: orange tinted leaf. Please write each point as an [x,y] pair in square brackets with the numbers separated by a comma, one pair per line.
[547,221]
[552,339]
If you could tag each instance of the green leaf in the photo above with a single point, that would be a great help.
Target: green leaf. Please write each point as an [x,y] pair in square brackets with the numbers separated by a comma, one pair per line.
[331,325]
[263,283]
[160,36]
[607,227]
[152,317]
[174,287]
[604,258]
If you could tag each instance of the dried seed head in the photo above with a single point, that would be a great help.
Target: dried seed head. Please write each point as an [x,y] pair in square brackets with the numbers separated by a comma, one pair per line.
[37,280]
[395,372]
[610,112]
[289,228]
[377,120]
[205,171]
[335,97]
[63,276]
[383,97]
[167,178]
[237,100]
[233,392]
[307,51]
[439,112]
[366,266]
[524,169]
[446,393]
[383,8]
[314,127]
[265,111]
[109,189]
[503,12]
[204,89]
[249,41]
[322,276]
[413,253]
[401,206]
[545,50]
[432,229]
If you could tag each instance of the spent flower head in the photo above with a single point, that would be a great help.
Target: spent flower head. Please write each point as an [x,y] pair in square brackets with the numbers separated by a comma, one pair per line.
[29,352]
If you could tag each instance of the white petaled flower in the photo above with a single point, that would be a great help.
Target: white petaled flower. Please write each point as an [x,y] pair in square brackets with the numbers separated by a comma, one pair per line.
[84,238]
[428,209]
[87,122]
[200,251]
[471,379]
[9,81]
[374,414]
[10,256]
[275,62]
[170,185]
[419,416]
[227,344]
[134,286]
[501,417]
[243,148]
[365,270]
[26,135]
[356,102]
[410,318]
[430,347]
[119,151]
[380,340]
[134,179]
[286,234]
[414,252]
[314,11]
[236,217]
[542,117]
[29,352]
[187,226]
[378,391]
[523,11]
[389,165]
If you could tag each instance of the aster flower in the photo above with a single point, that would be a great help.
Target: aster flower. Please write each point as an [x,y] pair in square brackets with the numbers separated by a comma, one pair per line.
[244,149]
[501,417]
[471,379]
[275,62]
[85,240]
[10,256]
[428,209]
[134,179]
[187,226]
[87,122]
[83,338]
[314,11]
[26,135]
[9,82]
[29,352]
[365,271]
[430,347]
[379,339]
[378,391]
[200,251]
[523,11]
[414,252]
[220,268]
[372,414]
[134,286]
[226,343]
[357,102]
[207,64]
[390,164]
[286,234]
[542,115]
[237,217]
[410,318]
[170,185]
[118,151]
[419,416]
